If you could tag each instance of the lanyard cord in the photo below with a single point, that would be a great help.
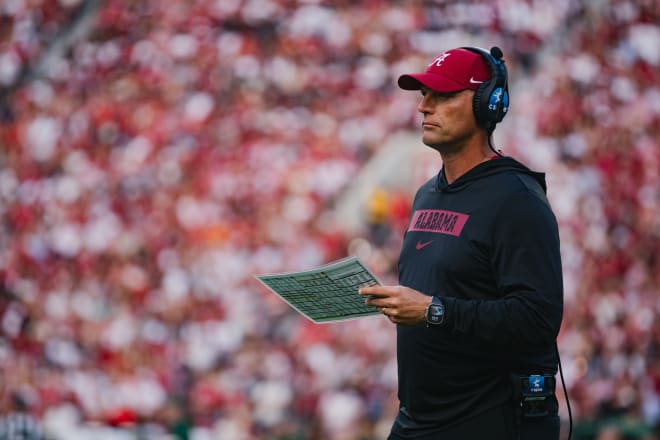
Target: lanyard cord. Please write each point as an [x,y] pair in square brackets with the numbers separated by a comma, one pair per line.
[568,403]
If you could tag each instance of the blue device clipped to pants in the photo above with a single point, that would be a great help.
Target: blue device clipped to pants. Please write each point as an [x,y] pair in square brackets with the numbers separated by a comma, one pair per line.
[535,393]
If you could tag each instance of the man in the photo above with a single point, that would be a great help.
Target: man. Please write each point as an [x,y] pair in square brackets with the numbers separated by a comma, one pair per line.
[479,303]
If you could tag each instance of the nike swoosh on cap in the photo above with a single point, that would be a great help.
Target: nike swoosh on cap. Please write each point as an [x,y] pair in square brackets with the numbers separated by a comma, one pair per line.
[474,81]
[421,245]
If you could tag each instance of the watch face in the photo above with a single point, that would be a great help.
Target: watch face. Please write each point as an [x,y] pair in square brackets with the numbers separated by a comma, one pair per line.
[436,313]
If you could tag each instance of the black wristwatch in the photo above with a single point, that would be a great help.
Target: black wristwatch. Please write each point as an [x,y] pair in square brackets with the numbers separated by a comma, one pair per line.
[435,312]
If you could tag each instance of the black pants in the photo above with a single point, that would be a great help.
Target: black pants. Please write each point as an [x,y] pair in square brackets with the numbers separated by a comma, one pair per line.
[496,424]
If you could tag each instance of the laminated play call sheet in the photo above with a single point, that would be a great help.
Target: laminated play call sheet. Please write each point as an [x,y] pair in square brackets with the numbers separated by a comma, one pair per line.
[327,293]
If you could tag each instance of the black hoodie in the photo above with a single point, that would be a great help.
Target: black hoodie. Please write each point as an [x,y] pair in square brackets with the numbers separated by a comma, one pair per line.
[488,245]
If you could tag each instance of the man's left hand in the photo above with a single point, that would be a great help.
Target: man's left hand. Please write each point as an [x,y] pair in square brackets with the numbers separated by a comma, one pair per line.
[402,305]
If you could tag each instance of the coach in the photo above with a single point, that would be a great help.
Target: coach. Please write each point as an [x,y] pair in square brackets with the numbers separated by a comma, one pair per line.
[479,304]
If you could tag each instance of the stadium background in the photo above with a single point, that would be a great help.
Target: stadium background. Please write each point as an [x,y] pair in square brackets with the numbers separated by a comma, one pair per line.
[154,156]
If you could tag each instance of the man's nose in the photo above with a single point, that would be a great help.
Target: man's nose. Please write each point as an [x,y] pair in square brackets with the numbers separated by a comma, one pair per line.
[424,105]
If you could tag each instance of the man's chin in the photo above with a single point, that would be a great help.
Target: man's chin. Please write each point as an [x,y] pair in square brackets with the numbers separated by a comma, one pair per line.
[431,141]
[441,147]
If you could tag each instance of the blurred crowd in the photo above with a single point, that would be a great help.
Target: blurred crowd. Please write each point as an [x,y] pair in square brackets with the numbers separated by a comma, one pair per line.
[155,156]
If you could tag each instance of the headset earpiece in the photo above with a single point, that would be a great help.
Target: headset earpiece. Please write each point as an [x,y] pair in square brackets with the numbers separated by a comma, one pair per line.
[491,99]
[477,104]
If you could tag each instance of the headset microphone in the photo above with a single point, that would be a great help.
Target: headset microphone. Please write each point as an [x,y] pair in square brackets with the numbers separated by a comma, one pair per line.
[496,52]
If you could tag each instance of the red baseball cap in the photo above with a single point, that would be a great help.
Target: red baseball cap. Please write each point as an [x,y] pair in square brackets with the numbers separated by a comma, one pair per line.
[451,71]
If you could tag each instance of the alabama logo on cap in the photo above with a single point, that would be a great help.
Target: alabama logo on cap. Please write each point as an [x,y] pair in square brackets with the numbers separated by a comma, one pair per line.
[439,59]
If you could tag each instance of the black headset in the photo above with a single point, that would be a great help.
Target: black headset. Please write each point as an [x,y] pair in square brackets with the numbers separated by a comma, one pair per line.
[491,99]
